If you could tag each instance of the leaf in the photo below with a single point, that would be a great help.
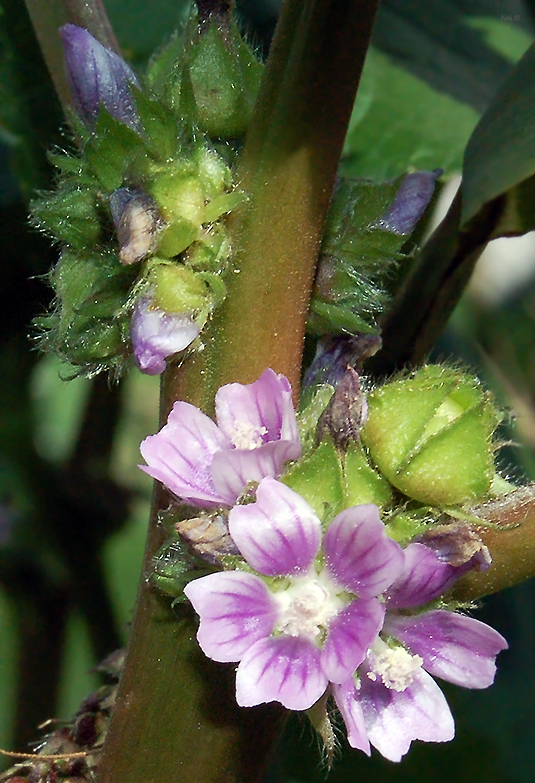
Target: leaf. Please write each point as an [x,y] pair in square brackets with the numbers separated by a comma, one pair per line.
[400,122]
[501,151]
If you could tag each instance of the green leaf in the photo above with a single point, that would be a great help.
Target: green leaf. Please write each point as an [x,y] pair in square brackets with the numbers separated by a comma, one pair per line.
[501,151]
[399,122]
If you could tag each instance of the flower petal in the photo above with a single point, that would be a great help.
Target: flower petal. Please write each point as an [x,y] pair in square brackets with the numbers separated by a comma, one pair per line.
[456,648]
[157,335]
[424,577]
[394,718]
[236,610]
[264,408]
[283,668]
[358,553]
[351,633]
[233,469]
[180,456]
[280,534]
[346,698]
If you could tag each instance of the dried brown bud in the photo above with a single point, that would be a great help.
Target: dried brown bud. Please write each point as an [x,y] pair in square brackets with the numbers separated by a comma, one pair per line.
[208,535]
[346,412]
[457,543]
[137,222]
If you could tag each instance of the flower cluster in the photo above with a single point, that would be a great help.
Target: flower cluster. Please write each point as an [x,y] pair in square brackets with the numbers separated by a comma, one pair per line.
[316,609]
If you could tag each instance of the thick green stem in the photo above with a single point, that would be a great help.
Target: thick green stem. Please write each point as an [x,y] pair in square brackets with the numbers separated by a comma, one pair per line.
[176,718]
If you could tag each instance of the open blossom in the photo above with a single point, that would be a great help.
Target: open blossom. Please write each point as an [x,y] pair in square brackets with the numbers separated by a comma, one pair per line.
[208,464]
[313,620]
[157,335]
[393,699]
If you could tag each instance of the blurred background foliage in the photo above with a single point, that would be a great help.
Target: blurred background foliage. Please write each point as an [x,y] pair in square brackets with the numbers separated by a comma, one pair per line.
[73,506]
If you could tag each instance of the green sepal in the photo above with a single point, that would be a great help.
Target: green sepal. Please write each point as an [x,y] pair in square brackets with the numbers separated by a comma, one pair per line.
[404,526]
[174,566]
[111,151]
[71,214]
[362,484]
[357,259]
[430,435]
[318,479]
[177,288]
[313,403]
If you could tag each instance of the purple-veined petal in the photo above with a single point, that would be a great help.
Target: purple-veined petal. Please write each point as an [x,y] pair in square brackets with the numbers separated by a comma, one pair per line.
[424,577]
[98,76]
[347,702]
[456,648]
[283,668]
[234,468]
[351,633]
[394,718]
[236,610]
[157,335]
[358,553]
[280,534]
[180,455]
[259,412]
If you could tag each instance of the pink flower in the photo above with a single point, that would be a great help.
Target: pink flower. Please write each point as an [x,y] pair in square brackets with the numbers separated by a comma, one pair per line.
[304,620]
[208,464]
[392,699]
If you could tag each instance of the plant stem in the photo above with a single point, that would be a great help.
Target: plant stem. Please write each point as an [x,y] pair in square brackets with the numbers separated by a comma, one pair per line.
[511,542]
[176,717]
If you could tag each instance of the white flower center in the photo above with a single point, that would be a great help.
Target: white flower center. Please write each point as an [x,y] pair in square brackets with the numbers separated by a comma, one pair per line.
[246,435]
[307,606]
[395,666]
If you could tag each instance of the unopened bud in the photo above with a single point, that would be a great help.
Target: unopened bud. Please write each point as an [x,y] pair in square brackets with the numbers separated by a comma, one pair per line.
[156,335]
[137,222]
[430,435]
[410,202]
[98,77]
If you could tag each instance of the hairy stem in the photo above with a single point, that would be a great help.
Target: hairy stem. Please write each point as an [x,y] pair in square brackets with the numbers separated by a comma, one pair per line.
[176,717]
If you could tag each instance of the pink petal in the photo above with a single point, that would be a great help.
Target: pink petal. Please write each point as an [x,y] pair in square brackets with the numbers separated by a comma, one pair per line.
[280,534]
[283,668]
[456,648]
[233,469]
[265,404]
[358,553]
[181,454]
[236,610]
[351,633]
[393,718]
[424,578]
[347,702]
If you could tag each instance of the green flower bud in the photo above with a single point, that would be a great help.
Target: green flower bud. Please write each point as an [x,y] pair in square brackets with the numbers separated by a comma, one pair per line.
[225,77]
[177,288]
[430,435]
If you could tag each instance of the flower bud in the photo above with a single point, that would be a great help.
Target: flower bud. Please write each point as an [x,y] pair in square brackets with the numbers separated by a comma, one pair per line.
[410,202]
[346,412]
[430,435]
[157,335]
[98,77]
[137,222]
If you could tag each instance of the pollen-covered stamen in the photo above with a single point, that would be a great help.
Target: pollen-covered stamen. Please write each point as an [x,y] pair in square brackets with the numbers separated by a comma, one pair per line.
[246,435]
[396,666]
[307,606]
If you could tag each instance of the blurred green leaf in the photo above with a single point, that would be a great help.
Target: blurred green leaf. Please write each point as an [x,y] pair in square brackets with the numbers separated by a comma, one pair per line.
[501,151]
[399,122]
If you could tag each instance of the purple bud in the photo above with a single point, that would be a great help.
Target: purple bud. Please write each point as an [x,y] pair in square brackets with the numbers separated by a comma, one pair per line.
[335,354]
[157,335]
[410,202]
[137,222]
[98,77]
